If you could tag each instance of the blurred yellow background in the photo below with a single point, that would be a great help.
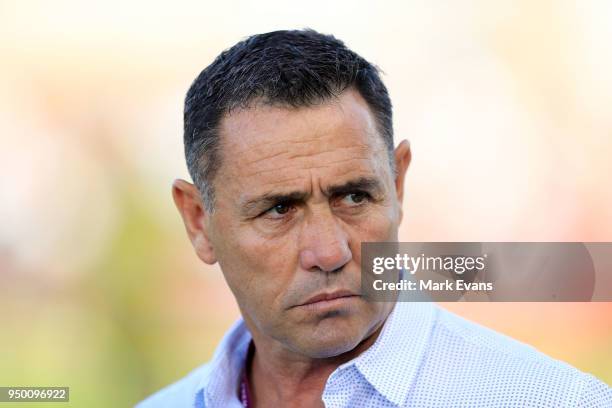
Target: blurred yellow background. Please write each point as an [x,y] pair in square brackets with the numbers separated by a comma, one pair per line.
[506,105]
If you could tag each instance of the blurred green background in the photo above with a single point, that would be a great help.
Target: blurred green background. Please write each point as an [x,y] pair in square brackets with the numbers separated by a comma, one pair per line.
[506,105]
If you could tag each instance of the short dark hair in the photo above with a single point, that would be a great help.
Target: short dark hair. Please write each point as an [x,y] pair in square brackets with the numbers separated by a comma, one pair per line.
[289,68]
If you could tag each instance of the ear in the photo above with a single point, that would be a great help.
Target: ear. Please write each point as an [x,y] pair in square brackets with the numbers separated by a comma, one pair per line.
[403,155]
[195,217]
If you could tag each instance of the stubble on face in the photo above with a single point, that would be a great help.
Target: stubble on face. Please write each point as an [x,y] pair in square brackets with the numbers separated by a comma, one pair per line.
[296,194]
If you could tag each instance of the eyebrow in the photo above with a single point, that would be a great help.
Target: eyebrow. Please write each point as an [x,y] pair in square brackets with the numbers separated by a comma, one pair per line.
[367,184]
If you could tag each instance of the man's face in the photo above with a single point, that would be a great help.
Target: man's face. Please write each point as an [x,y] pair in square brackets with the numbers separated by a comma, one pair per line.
[297,192]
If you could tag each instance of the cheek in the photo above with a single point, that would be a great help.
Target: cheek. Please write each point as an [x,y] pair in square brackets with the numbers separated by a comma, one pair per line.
[258,270]
[380,225]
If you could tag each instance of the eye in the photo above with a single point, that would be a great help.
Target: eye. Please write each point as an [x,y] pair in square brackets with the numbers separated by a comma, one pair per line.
[355,199]
[280,208]
[278,211]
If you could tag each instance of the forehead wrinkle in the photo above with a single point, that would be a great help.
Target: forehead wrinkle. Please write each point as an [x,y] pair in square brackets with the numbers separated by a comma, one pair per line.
[360,148]
[249,202]
[298,161]
[364,158]
[357,150]
[292,177]
[347,133]
[290,182]
[338,121]
[275,170]
[284,148]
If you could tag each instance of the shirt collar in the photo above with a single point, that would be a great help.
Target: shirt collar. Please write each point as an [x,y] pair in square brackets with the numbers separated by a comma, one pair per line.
[221,386]
[400,345]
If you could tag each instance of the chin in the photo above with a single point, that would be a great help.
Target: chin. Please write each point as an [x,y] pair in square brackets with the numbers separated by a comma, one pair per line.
[331,343]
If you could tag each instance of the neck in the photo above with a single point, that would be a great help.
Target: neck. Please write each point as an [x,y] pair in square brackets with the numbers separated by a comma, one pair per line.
[280,377]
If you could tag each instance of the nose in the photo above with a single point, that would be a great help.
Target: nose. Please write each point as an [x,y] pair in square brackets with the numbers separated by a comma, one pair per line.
[324,244]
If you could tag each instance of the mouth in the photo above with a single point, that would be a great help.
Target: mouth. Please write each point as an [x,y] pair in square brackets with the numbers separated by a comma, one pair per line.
[331,298]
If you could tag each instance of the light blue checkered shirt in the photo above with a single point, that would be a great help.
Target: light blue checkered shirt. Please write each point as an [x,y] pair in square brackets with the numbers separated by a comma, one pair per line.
[425,356]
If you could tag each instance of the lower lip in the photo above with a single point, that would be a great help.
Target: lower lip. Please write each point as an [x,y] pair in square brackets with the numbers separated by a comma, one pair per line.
[330,303]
